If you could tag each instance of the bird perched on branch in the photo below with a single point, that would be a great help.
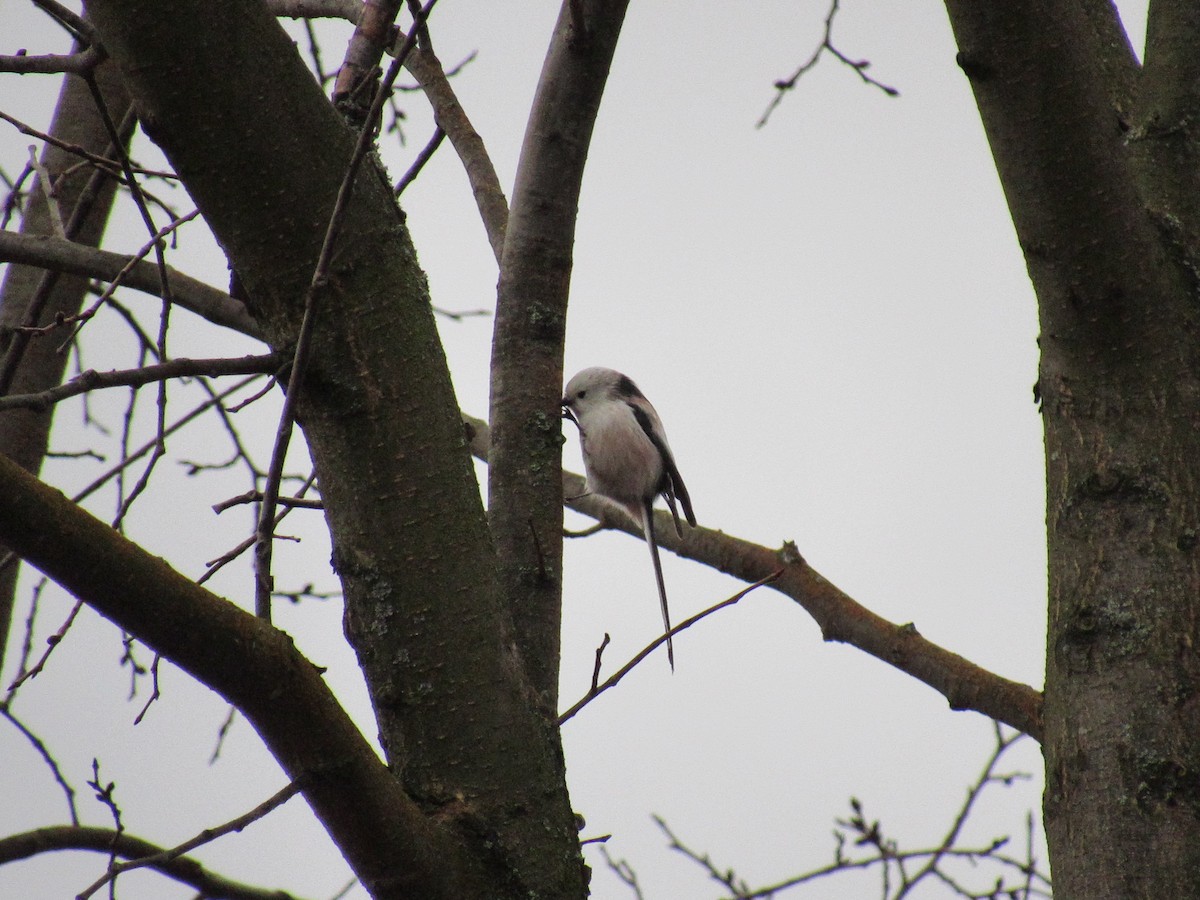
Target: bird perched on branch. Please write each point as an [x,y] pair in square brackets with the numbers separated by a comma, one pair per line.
[627,458]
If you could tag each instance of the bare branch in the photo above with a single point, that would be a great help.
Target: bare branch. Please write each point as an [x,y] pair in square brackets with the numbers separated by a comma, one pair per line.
[860,66]
[46,184]
[177,368]
[53,64]
[78,26]
[103,840]
[418,164]
[372,33]
[256,497]
[76,259]
[266,520]
[111,166]
[452,119]
[165,857]
[51,643]
[530,323]
[964,684]
[653,645]
[349,10]
[47,757]
[246,661]
[891,861]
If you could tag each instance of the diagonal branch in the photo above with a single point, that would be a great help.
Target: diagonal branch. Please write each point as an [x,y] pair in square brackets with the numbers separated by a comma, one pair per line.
[452,119]
[183,869]
[252,665]
[165,857]
[73,258]
[264,533]
[598,689]
[177,368]
[964,684]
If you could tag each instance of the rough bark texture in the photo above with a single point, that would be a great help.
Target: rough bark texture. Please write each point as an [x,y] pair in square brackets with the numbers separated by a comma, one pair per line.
[1098,163]
[85,196]
[263,154]
[383,834]
[524,484]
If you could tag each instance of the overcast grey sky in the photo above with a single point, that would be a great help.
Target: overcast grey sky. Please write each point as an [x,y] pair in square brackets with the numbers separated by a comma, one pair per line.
[833,319]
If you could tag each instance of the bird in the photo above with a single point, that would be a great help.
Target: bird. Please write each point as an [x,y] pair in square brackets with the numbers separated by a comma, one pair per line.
[626,457]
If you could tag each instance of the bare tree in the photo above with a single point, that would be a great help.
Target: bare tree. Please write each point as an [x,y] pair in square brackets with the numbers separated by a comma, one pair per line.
[453,611]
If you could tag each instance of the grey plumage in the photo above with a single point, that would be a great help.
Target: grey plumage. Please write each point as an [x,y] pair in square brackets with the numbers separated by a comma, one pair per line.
[627,458]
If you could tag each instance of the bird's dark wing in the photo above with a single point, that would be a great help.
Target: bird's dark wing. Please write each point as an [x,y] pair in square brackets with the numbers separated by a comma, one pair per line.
[671,485]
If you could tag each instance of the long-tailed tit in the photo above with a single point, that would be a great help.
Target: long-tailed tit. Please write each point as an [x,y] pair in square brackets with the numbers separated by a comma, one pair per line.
[626,456]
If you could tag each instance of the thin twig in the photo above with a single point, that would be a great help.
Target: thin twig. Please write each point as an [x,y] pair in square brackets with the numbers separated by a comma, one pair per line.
[153,244]
[418,164]
[51,643]
[865,832]
[111,166]
[129,459]
[860,66]
[44,752]
[595,691]
[18,342]
[257,496]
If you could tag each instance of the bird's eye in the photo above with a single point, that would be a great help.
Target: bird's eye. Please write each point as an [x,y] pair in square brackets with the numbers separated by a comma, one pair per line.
[581,394]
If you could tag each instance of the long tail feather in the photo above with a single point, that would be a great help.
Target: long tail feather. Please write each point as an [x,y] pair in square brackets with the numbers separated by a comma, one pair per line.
[648,530]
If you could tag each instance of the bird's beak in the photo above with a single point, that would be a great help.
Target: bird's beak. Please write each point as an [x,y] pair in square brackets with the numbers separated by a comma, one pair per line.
[567,414]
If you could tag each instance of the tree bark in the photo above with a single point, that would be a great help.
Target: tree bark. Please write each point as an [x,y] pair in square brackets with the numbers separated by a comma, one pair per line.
[1097,161]
[524,483]
[263,155]
[382,833]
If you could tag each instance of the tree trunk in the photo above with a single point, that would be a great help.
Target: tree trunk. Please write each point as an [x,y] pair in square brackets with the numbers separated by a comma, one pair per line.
[1098,163]
[263,155]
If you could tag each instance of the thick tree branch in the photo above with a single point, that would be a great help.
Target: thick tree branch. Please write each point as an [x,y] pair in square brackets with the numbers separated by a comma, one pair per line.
[1098,164]
[354,88]
[53,64]
[1047,78]
[524,490]
[177,368]
[385,838]
[408,530]
[77,259]
[452,119]
[964,684]
[183,869]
